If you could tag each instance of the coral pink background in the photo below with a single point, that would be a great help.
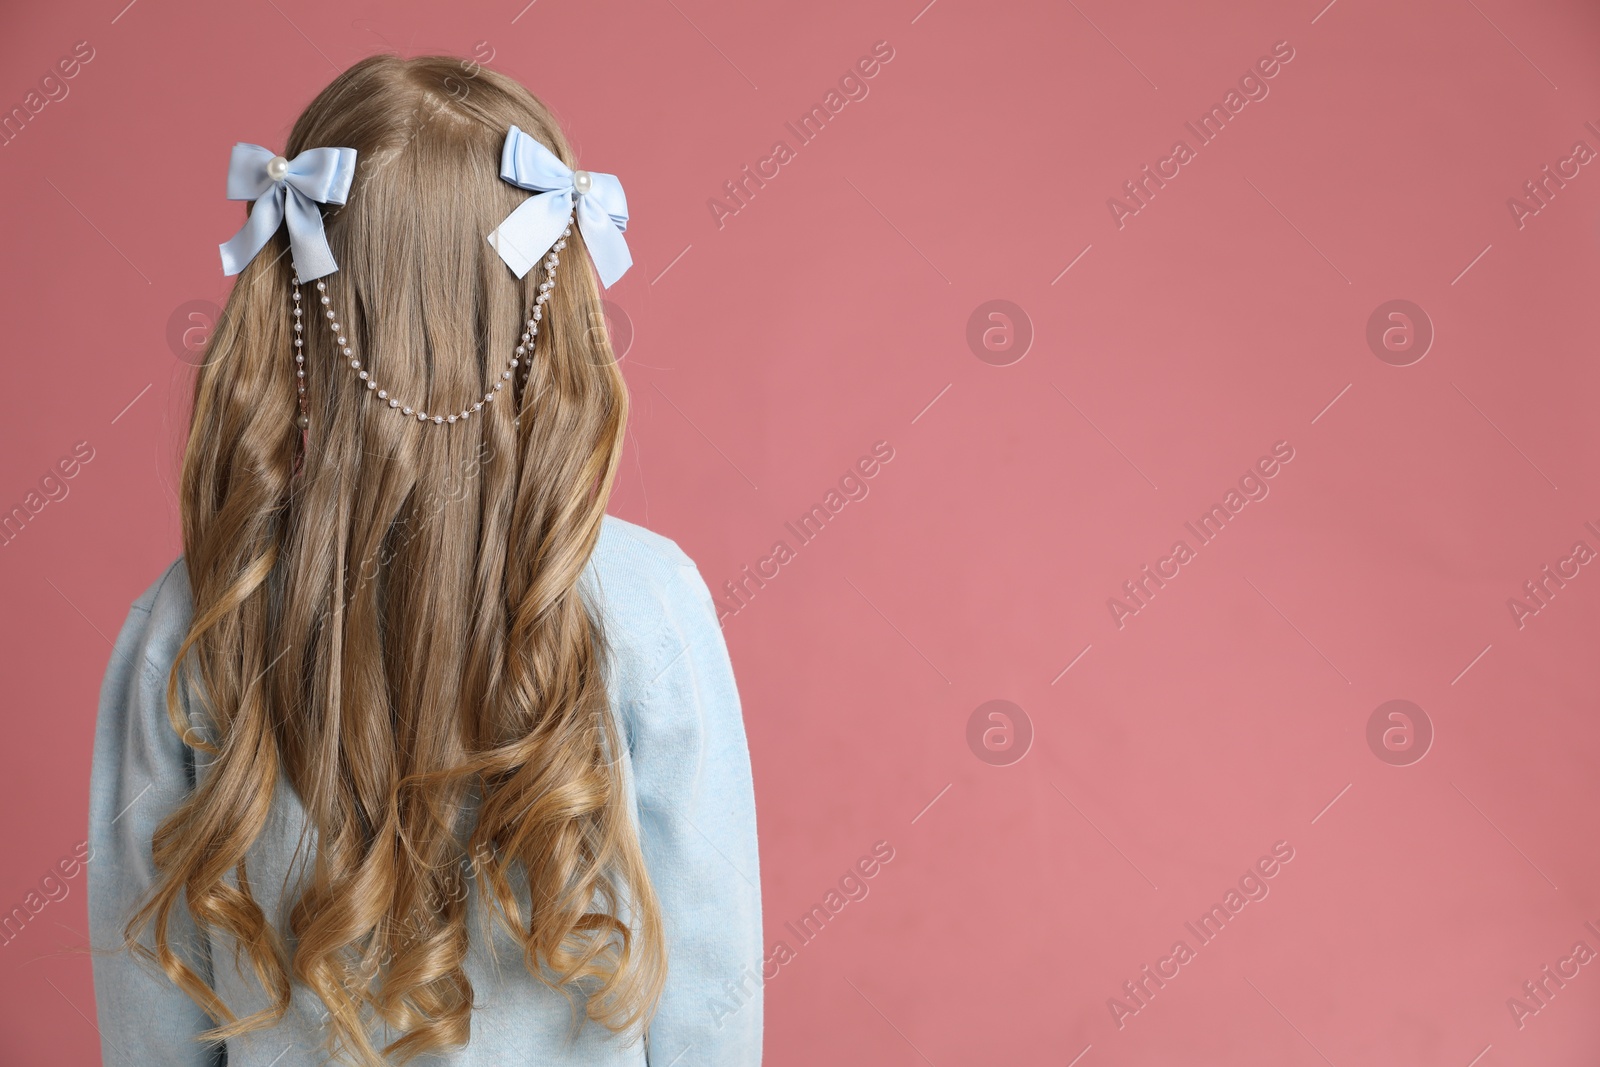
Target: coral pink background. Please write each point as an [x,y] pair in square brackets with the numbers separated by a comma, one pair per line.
[770,353]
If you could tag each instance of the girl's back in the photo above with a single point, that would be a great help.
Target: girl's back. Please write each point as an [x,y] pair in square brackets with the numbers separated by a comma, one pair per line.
[416,753]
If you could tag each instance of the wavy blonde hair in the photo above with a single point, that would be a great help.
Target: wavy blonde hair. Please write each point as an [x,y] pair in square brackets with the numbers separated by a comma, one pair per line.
[389,615]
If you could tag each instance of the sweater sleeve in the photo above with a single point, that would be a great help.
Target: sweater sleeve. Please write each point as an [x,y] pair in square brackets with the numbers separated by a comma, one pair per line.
[698,832]
[141,772]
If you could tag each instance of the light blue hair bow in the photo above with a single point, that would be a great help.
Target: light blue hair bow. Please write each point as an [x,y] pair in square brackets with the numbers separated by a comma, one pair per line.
[289,188]
[536,225]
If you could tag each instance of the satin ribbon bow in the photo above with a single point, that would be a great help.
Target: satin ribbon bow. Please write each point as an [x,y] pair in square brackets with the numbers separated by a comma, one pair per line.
[292,189]
[536,225]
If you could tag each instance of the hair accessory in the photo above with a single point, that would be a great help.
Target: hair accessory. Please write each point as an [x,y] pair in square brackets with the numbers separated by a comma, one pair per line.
[287,188]
[523,353]
[529,231]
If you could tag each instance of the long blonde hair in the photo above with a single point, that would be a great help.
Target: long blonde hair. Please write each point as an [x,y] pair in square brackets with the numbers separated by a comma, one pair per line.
[389,616]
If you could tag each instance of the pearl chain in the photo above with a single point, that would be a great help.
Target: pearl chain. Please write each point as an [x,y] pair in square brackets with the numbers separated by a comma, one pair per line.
[523,350]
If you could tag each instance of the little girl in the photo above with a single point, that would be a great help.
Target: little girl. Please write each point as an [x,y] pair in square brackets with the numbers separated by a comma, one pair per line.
[416,755]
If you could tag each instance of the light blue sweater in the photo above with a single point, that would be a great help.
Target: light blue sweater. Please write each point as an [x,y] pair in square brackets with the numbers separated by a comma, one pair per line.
[688,771]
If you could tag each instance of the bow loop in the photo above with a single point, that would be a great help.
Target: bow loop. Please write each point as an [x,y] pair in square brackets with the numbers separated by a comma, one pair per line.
[537,223]
[287,189]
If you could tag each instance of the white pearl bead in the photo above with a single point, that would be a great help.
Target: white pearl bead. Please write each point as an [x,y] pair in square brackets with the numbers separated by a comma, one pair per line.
[581,182]
[393,402]
[277,168]
[383,394]
[409,411]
